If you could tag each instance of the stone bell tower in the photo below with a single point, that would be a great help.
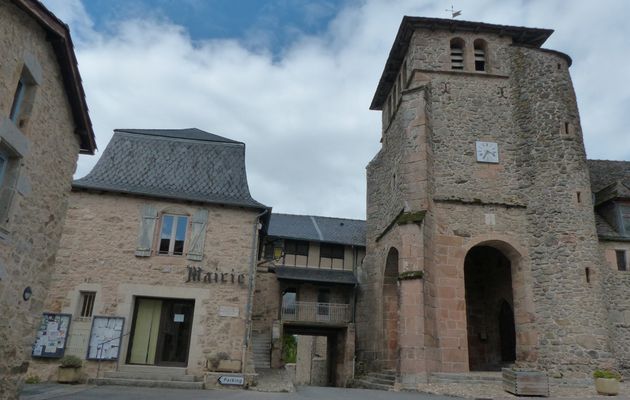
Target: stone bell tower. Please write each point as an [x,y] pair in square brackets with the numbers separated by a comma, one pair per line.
[481,250]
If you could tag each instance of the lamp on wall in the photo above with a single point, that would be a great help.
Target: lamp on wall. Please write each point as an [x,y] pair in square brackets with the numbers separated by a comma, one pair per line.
[27,293]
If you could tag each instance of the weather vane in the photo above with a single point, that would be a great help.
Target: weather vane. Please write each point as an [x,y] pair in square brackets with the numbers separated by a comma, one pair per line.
[453,12]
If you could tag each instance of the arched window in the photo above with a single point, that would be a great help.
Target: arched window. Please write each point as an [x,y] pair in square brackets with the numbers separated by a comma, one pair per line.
[457,54]
[480,54]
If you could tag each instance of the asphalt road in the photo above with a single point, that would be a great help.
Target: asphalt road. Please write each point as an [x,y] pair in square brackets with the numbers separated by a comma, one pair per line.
[85,392]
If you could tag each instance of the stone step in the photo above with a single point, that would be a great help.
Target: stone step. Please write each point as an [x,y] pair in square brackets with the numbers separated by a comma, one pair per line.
[149,383]
[381,381]
[171,371]
[381,375]
[471,377]
[366,384]
[150,376]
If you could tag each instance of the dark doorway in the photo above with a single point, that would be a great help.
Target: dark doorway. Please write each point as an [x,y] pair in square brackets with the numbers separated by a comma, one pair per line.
[489,312]
[507,333]
[160,333]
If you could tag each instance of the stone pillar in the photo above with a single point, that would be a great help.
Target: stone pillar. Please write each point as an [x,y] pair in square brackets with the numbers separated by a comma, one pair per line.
[411,333]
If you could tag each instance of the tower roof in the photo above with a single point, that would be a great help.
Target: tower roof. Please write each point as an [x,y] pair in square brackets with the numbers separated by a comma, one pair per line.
[183,164]
[527,36]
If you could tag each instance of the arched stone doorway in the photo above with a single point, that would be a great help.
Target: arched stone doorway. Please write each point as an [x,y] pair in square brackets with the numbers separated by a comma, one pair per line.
[489,309]
[390,310]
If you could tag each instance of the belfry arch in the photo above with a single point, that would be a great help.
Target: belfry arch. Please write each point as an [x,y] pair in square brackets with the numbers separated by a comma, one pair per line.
[391,304]
[489,276]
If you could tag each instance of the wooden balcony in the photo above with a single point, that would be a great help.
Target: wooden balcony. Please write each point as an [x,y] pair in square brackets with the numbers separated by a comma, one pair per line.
[322,313]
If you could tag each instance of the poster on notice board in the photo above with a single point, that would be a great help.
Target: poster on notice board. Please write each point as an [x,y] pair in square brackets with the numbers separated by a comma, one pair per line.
[105,338]
[52,336]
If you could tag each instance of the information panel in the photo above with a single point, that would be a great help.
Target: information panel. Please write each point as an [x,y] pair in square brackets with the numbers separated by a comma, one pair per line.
[52,336]
[105,338]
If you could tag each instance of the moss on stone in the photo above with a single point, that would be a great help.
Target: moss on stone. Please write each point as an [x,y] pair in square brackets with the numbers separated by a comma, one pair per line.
[403,276]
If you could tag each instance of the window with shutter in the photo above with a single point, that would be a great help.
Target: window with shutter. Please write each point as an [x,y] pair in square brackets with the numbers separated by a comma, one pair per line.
[147,229]
[173,230]
[296,252]
[199,222]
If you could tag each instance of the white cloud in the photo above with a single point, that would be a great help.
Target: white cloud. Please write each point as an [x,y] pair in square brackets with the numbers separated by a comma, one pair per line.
[304,116]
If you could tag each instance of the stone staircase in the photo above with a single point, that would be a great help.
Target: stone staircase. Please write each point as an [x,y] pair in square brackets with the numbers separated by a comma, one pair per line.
[466,377]
[383,380]
[261,346]
[150,376]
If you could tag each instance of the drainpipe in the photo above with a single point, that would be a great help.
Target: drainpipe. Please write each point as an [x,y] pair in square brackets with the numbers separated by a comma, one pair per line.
[250,290]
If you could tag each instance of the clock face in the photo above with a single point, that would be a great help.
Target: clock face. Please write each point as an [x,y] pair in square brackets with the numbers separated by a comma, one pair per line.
[487,152]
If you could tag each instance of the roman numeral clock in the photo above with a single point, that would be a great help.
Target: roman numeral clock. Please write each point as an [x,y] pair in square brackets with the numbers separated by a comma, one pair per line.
[487,152]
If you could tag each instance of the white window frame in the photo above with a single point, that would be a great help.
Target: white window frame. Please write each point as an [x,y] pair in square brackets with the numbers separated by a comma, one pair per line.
[172,238]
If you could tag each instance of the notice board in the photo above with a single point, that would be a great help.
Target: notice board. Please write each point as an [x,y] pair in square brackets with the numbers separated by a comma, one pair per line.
[105,338]
[52,336]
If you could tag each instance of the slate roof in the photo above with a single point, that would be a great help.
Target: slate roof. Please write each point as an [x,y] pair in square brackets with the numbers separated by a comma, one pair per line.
[316,275]
[183,164]
[317,229]
[605,172]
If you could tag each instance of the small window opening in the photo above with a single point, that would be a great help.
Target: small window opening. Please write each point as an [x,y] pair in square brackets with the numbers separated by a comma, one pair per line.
[559,66]
[579,197]
[566,128]
[622,264]
[18,100]
[587,271]
[480,55]
[457,54]
[87,304]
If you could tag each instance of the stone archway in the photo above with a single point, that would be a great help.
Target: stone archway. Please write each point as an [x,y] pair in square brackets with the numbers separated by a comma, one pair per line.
[390,311]
[489,309]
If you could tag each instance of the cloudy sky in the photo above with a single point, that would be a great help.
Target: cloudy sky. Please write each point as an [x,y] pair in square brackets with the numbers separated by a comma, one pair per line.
[293,79]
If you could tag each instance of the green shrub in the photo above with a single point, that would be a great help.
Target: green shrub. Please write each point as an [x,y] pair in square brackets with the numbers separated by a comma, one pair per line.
[289,349]
[70,362]
[32,379]
[606,374]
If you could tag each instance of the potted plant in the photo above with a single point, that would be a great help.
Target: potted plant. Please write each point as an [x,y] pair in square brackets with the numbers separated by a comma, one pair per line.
[69,369]
[607,381]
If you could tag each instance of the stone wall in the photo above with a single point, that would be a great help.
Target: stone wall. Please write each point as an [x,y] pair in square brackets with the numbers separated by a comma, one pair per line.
[534,206]
[97,253]
[37,212]
[616,284]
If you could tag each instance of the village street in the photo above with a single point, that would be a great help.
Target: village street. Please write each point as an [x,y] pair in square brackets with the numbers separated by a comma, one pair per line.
[89,392]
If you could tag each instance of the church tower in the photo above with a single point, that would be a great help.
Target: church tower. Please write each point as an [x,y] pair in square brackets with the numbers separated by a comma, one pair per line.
[482,250]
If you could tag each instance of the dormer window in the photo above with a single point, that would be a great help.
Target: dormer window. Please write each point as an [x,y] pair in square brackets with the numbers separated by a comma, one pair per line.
[457,54]
[480,55]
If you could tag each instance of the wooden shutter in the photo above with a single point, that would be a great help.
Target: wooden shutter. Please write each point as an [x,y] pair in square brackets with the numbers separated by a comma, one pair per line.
[199,222]
[147,229]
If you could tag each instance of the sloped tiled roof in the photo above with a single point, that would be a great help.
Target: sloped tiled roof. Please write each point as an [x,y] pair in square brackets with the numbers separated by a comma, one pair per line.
[184,164]
[319,275]
[605,172]
[317,229]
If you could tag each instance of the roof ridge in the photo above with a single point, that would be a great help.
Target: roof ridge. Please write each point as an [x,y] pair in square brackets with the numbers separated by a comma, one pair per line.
[179,133]
[318,216]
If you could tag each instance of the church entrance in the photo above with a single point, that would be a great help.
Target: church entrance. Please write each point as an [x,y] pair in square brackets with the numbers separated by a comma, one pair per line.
[489,309]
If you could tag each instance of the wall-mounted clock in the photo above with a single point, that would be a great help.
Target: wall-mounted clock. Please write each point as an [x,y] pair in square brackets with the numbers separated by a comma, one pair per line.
[487,152]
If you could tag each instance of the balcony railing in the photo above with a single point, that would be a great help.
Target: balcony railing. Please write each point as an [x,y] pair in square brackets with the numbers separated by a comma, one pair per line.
[302,311]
